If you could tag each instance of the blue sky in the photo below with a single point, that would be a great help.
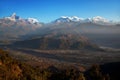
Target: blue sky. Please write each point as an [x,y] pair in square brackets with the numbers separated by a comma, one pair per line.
[48,10]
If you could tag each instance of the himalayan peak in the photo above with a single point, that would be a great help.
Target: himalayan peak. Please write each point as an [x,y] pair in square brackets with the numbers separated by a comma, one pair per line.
[97,19]
[16,18]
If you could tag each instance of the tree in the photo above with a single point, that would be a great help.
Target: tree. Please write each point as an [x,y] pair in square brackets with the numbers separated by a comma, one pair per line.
[81,77]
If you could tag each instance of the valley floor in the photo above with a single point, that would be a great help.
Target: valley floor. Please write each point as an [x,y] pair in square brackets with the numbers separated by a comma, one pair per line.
[58,57]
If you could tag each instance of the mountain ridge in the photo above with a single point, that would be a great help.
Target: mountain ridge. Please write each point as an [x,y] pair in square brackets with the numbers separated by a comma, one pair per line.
[57,42]
[16,18]
[19,29]
[96,19]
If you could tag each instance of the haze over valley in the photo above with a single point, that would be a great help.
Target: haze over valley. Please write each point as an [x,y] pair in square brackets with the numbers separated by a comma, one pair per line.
[98,30]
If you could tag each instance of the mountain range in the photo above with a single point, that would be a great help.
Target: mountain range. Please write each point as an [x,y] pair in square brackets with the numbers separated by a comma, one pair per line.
[98,30]
[14,26]
[97,19]
[16,18]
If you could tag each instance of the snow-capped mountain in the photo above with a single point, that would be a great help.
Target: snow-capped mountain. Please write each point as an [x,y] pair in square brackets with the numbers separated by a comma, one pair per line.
[16,18]
[13,17]
[75,18]
[32,20]
[87,20]
[68,19]
[62,19]
[15,26]
[97,20]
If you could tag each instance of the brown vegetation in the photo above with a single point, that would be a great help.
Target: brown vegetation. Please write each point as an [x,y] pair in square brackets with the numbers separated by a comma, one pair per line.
[11,69]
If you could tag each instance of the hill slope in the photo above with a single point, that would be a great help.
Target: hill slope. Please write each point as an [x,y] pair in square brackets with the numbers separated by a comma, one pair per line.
[57,41]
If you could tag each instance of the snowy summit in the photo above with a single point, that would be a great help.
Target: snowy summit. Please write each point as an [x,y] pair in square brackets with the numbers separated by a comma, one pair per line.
[13,17]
